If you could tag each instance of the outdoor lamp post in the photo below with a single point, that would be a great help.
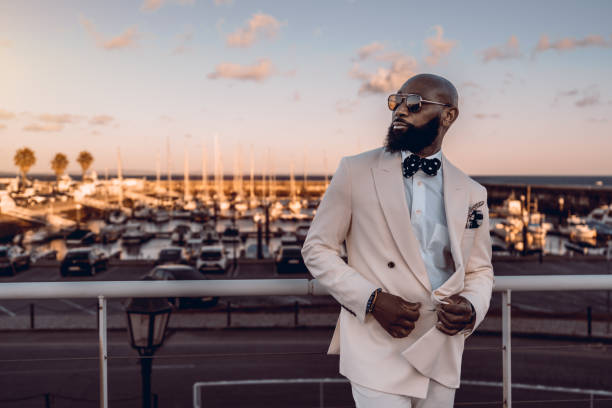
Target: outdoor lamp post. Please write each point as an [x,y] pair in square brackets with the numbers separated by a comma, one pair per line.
[78,214]
[147,322]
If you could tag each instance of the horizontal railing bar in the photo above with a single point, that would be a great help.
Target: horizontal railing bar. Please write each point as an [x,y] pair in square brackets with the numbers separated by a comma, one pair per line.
[259,287]
[128,289]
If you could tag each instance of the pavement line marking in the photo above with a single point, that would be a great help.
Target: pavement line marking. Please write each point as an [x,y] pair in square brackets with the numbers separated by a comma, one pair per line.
[77,306]
[8,312]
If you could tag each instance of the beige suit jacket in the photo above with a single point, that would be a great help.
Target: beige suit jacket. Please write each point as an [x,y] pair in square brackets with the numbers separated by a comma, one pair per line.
[365,206]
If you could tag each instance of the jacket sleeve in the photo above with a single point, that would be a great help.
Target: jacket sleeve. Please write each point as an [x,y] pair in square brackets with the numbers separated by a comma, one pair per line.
[321,250]
[479,277]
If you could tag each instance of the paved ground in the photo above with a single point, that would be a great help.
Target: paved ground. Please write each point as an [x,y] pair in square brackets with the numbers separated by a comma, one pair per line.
[64,364]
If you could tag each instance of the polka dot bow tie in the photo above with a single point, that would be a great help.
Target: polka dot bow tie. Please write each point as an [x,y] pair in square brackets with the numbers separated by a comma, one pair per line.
[413,163]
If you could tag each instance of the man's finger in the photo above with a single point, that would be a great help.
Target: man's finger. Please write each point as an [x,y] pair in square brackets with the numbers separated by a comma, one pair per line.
[443,329]
[455,318]
[404,323]
[401,331]
[448,324]
[458,309]
[409,314]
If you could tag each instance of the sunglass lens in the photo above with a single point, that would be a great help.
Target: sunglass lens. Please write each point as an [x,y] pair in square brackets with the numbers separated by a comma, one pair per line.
[393,101]
[413,102]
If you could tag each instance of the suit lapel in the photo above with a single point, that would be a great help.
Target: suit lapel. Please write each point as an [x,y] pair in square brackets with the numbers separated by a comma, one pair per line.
[456,202]
[389,184]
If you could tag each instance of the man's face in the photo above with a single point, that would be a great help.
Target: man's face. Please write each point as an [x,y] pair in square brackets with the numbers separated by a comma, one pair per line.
[414,131]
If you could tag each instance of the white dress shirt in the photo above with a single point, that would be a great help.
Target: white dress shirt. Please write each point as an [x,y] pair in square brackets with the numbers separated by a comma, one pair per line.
[425,200]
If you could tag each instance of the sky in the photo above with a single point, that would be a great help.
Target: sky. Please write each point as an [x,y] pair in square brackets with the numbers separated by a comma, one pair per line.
[301,84]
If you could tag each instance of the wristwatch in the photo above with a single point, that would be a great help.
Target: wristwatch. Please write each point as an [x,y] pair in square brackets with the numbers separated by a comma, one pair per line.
[372,300]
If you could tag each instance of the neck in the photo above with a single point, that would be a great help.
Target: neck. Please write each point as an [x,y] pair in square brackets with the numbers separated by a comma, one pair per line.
[429,150]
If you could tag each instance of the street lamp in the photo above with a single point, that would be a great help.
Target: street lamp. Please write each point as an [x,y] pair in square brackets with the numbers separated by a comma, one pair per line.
[147,322]
[78,214]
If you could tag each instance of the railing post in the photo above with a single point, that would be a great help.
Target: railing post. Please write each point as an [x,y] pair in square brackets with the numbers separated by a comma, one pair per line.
[590,321]
[102,352]
[32,316]
[321,401]
[506,348]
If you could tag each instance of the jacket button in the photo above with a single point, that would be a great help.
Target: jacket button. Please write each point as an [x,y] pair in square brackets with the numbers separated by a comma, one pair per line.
[391,264]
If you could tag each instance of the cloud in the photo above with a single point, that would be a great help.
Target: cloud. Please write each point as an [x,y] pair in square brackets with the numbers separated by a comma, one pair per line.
[487,115]
[438,47]
[565,94]
[509,50]
[5,115]
[369,50]
[153,5]
[344,106]
[470,84]
[567,43]
[2,126]
[101,120]
[95,132]
[597,120]
[166,118]
[123,40]
[385,79]
[259,24]
[59,119]
[50,127]
[256,72]
[223,2]
[184,39]
[590,97]
[5,44]
[296,97]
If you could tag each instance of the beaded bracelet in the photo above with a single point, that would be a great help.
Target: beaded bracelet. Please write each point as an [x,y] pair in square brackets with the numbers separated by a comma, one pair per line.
[372,300]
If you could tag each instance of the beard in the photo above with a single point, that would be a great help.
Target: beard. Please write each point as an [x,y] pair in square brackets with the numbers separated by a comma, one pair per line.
[412,138]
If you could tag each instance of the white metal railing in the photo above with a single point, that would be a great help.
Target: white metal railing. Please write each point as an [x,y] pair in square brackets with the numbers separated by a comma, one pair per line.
[274,287]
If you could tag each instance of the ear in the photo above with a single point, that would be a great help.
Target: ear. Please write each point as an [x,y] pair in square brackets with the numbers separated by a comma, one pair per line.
[449,116]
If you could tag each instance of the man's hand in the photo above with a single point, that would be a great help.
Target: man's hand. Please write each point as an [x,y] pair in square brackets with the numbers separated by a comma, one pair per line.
[395,315]
[455,316]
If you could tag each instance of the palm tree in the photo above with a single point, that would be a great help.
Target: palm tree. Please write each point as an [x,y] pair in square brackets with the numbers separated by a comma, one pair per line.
[59,164]
[24,159]
[85,159]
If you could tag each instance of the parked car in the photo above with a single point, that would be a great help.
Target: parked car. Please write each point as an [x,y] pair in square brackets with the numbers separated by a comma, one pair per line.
[210,237]
[182,272]
[251,251]
[212,259]
[289,260]
[13,259]
[171,255]
[88,260]
[80,237]
[301,232]
[180,234]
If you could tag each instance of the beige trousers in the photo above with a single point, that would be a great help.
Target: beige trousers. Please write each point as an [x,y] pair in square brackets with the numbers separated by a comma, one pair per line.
[438,396]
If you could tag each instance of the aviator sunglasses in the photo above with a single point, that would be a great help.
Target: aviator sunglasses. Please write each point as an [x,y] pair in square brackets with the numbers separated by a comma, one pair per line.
[413,102]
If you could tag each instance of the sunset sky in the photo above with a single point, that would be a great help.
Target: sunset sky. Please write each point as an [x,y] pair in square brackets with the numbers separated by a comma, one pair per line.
[307,80]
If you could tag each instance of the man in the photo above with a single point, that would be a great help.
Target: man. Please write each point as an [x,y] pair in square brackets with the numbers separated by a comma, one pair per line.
[419,275]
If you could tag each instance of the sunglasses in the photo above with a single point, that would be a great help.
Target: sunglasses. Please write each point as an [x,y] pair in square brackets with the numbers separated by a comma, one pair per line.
[413,102]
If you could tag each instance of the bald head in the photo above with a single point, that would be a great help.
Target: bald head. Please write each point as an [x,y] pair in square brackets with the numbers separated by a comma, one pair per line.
[433,87]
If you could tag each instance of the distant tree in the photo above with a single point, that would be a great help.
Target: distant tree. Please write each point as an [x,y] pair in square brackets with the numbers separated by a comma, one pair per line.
[24,159]
[59,164]
[85,159]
